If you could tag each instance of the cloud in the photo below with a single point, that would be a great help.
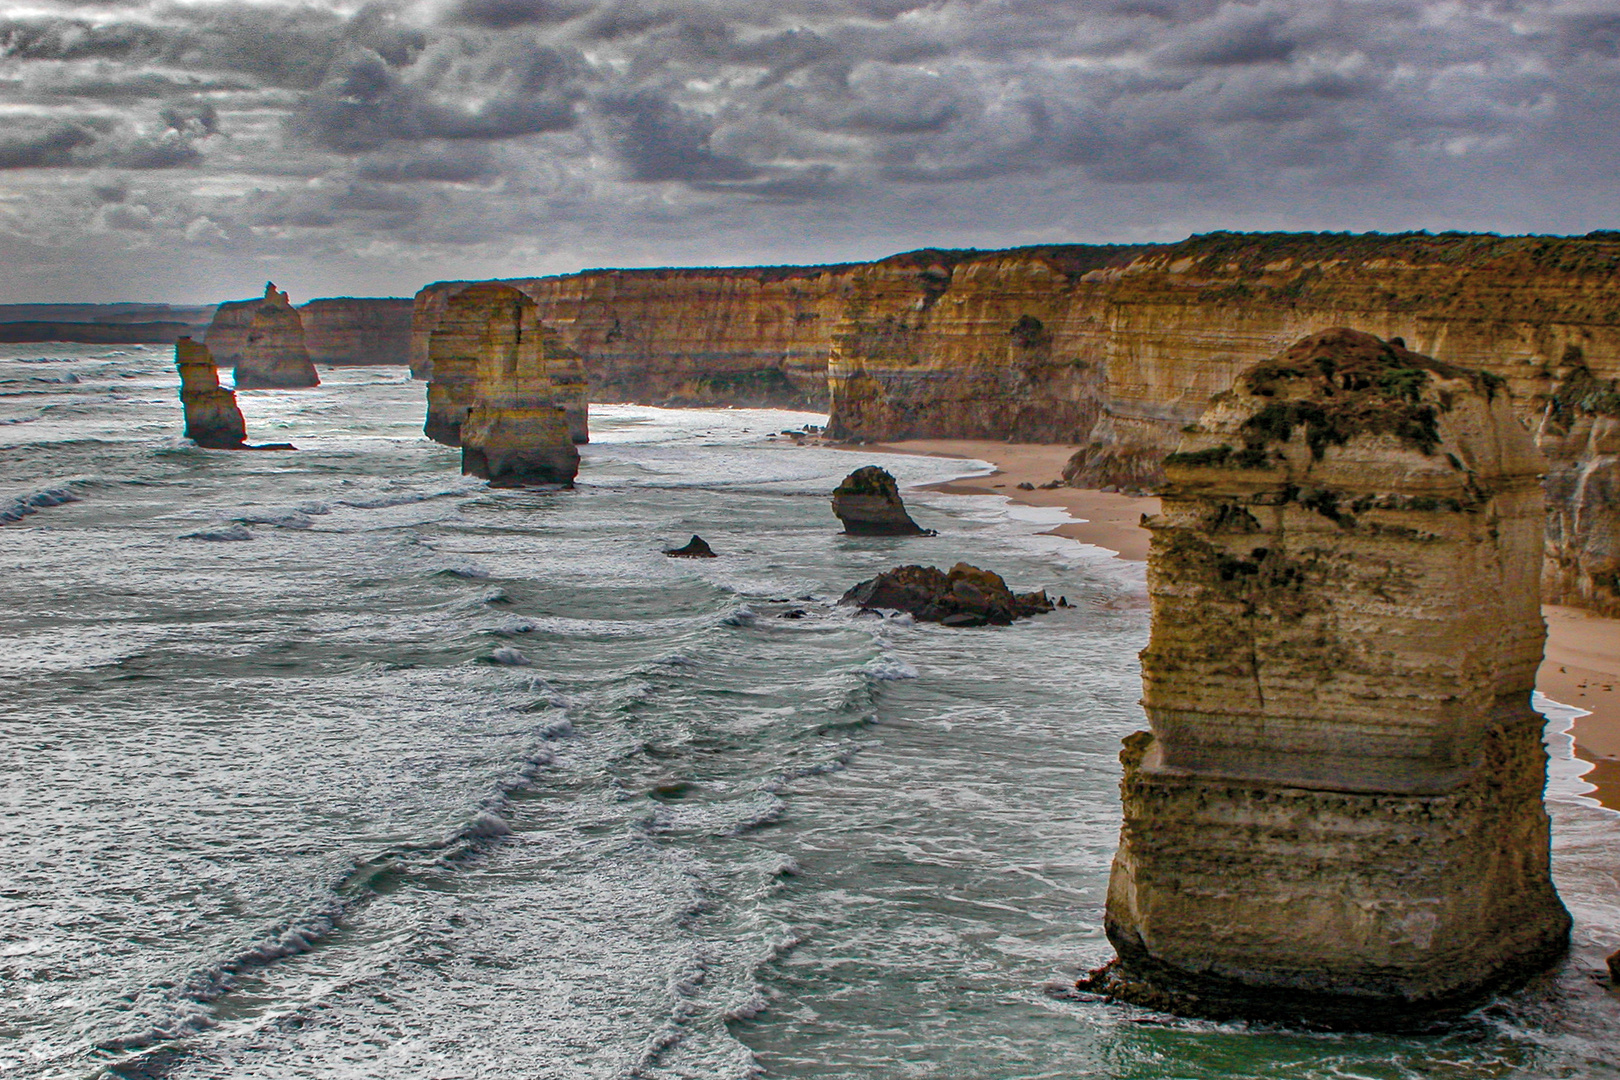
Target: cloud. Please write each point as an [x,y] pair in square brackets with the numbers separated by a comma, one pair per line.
[655,127]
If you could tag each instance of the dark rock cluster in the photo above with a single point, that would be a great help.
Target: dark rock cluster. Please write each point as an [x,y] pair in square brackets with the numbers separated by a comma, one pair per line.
[967,596]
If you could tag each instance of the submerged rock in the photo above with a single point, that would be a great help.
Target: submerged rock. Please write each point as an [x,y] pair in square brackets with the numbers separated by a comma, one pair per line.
[696,548]
[213,419]
[1337,816]
[264,340]
[868,503]
[967,596]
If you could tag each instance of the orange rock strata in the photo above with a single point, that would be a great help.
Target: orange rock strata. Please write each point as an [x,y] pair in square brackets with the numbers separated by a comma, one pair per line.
[505,389]
[212,417]
[345,330]
[264,341]
[1337,817]
[1115,349]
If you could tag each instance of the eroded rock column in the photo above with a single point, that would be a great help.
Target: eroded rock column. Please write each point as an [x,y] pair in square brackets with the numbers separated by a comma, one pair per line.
[213,419]
[505,389]
[1337,815]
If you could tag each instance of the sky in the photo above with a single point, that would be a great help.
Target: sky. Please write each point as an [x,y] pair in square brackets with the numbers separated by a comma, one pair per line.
[188,150]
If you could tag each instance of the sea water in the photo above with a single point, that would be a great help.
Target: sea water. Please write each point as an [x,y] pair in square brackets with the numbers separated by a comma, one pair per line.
[334,763]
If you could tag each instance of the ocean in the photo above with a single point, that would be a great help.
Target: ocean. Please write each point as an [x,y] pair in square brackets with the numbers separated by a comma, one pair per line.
[335,763]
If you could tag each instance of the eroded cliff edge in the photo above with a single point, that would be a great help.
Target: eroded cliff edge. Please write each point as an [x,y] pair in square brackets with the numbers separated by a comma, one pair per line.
[1337,816]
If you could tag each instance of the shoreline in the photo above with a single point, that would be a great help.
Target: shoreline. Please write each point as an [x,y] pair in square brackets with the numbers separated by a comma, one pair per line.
[1581,666]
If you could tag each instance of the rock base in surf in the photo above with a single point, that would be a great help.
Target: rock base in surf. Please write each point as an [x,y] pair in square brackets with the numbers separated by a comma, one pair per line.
[967,596]
[868,503]
[516,447]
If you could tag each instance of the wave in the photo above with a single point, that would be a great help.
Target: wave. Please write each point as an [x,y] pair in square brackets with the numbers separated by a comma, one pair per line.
[186,1008]
[22,506]
[889,669]
[234,531]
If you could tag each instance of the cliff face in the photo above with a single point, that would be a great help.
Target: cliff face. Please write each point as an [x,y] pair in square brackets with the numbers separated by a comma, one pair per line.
[264,340]
[505,389]
[357,330]
[748,336]
[1579,433]
[212,417]
[972,345]
[1112,348]
[1337,816]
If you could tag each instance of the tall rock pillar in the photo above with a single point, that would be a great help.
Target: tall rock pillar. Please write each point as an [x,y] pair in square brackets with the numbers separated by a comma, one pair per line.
[264,340]
[505,389]
[212,417]
[1337,817]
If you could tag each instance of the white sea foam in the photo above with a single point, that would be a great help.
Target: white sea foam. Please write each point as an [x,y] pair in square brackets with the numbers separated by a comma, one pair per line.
[888,668]
[234,531]
[509,656]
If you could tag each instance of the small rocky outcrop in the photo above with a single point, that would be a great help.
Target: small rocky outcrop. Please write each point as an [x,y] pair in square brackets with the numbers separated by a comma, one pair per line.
[695,548]
[868,503]
[966,596]
[212,417]
[264,341]
[1337,816]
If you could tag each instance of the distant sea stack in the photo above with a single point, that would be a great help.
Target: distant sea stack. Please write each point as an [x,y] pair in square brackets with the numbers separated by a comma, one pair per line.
[505,390]
[264,340]
[1337,817]
[356,330]
[212,417]
[868,503]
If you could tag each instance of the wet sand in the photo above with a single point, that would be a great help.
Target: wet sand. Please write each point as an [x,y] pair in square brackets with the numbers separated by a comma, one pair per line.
[1582,664]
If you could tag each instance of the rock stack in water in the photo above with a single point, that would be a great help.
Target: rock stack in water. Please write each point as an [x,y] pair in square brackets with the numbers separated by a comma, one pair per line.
[212,418]
[264,340]
[505,389]
[1337,817]
[868,503]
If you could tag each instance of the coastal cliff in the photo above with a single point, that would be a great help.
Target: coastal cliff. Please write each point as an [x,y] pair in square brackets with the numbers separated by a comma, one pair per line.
[953,344]
[357,329]
[754,336]
[1337,816]
[264,340]
[1113,349]
[213,419]
[505,389]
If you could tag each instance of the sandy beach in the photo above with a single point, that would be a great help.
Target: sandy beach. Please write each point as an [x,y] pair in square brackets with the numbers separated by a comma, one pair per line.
[1582,664]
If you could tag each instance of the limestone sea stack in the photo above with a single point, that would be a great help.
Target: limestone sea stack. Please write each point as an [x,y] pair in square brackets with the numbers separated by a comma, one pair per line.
[505,389]
[868,503]
[212,417]
[1337,817]
[264,340]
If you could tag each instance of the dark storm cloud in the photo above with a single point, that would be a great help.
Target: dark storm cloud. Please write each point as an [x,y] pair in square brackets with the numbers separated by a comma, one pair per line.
[472,121]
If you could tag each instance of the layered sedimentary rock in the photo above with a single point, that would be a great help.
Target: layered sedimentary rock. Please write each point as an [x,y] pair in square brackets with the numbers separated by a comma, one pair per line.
[212,417]
[1337,816]
[726,336]
[505,389]
[952,344]
[1579,432]
[1112,348]
[357,329]
[264,340]
[868,503]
